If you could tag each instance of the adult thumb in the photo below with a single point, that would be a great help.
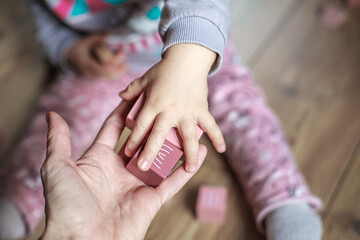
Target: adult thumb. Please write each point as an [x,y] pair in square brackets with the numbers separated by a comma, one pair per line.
[58,137]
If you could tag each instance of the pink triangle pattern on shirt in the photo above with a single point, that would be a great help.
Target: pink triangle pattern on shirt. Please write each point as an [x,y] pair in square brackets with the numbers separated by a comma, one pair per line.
[63,8]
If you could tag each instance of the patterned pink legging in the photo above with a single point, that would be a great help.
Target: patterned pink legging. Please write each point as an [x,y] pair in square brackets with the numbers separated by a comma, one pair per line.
[257,150]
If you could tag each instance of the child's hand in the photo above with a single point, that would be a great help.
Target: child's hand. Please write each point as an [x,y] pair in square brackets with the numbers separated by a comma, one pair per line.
[176,96]
[82,57]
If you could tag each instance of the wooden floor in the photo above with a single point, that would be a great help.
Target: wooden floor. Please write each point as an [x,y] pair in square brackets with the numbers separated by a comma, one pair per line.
[311,76]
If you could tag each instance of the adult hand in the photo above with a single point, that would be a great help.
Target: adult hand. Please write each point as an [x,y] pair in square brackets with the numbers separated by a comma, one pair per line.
[82,56]
[96,197]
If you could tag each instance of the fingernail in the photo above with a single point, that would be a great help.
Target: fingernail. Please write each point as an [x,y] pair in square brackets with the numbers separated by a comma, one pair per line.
[144,165]
[128,152]
[222,148]
[191,168]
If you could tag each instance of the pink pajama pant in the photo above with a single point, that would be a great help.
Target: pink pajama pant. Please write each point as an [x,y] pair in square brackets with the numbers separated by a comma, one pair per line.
[257,149]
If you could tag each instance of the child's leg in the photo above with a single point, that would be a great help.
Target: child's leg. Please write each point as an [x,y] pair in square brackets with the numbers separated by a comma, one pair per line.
[84,104]
[256,147]
[293,222]
[11,222]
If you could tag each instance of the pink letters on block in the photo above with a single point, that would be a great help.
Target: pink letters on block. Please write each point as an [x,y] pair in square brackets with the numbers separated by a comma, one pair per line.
[164,162]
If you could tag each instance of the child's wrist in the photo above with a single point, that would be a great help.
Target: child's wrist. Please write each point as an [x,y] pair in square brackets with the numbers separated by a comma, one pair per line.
[192,55]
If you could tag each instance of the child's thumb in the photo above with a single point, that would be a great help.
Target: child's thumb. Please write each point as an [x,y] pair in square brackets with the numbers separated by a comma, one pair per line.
[134,89]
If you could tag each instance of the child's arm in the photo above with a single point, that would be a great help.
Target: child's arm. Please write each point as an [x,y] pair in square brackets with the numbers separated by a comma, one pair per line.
[195,37]
[203,22]
[55,37]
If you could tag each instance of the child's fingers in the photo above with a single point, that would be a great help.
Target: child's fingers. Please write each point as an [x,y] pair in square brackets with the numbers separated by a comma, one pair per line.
[172,184]
[103,54]
[118,58]
[154,142]
[208,124]
[188,133]
[93,68]
[115,71]
[143,125]
[95,39]
[108,58]
[134,89]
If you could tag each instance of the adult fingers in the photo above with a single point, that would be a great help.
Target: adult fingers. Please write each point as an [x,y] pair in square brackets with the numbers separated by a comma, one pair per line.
[58,153]
[58,137]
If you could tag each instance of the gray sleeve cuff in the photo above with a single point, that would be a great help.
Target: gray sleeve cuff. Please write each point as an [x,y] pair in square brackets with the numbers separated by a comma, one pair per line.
[200,31]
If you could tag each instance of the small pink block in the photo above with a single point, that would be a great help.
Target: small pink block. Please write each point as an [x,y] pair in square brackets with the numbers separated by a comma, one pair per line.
[211,204]
[333,16]
[353,3]
[164,162]
[173,135]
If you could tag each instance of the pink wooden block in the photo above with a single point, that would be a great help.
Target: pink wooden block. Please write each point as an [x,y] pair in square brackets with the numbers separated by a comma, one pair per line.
[211,204]
[164,162]
[353,3]
[173,135]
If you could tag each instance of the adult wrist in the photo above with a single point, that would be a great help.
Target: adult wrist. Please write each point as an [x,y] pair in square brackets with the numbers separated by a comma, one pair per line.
[57,231]
[53,233]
